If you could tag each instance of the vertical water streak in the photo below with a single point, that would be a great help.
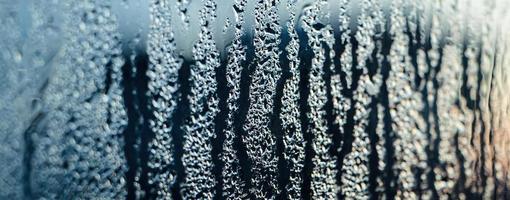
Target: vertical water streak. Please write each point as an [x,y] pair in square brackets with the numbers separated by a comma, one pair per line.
[290,115]
[356,168]
[320,37]
[232,184]
[345,35]
[164,65]
[405,104]
[340,103]
[488,48]
[451,120]
[381,152]
[200,127]
[260,142]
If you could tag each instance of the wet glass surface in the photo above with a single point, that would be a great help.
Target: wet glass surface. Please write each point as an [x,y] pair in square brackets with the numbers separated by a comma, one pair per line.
[268,99]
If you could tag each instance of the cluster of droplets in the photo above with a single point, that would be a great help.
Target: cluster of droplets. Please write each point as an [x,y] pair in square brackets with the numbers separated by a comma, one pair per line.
[260,142]
[200,127]
[294,152]
[323,182]
[163,87]
[405,105]
[451,121]
[183,7]
[78,152]
[355,175]
[488,136]
[340,103]
[232,183]
[345,39]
